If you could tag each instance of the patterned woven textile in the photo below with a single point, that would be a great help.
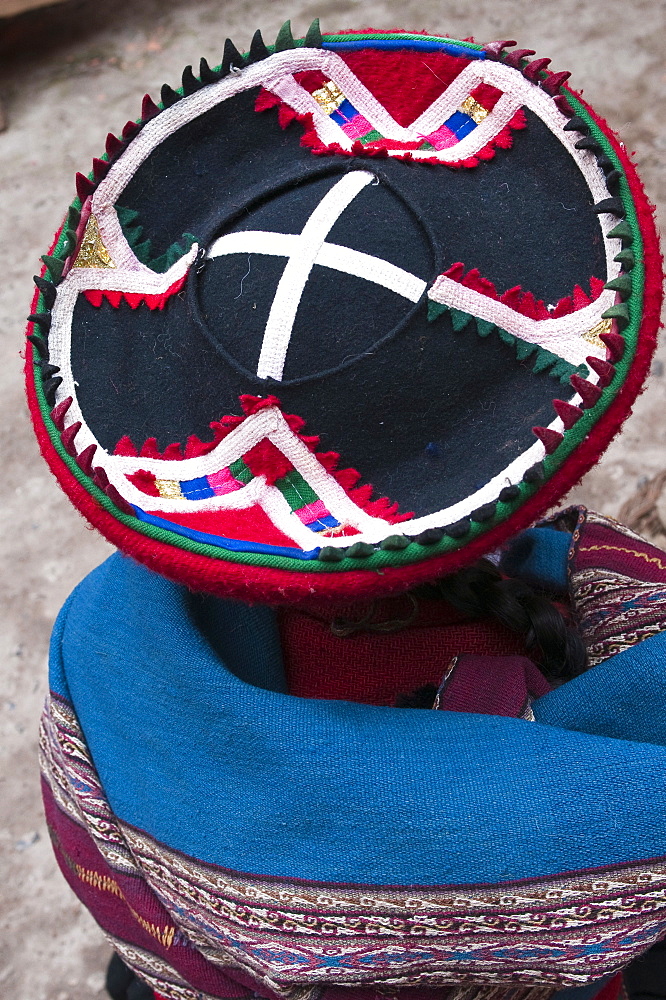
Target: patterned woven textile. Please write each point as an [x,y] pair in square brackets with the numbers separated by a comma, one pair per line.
[234,840]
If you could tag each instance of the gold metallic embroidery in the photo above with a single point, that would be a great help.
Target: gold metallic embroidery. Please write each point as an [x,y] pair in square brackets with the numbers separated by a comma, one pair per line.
[476,111]
[339,529]
[592,336]
[169,488]
[92,252]
[329,97]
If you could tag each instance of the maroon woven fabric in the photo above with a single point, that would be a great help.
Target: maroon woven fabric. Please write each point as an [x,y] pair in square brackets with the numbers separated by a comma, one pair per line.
[374,667]
[492,685]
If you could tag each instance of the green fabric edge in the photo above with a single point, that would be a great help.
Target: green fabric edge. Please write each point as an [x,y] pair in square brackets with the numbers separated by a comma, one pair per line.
[408,36]
[590,417]
[414,553]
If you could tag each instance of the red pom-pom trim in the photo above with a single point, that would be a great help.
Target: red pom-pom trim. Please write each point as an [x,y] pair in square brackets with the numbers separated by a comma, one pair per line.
[550,438]
[567,412]
[588,392]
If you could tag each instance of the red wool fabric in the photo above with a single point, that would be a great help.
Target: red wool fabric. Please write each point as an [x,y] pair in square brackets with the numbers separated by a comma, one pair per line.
[375,668]
[379,70]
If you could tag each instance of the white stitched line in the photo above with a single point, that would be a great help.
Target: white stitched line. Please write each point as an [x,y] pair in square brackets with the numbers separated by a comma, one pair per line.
[295,275]
[255,241]
[339,258]
[303,103]
[244,437]
[363,265]
[561,336]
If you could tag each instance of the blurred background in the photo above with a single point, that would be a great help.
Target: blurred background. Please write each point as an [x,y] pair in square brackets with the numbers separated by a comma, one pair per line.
[70,72]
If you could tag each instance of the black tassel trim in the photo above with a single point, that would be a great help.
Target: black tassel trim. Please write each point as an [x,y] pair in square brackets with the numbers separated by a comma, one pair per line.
[429,537]
[168,95]
[535,474]
[509,493]
[587,142]
[190,82]
[258,50]
[47,289]
[50,388]
[611,206]
[231,59]
[39,345]
[459,529]
[613,181]
[206,74]
[605,163]
[42,320]
[484,513]
[577,124]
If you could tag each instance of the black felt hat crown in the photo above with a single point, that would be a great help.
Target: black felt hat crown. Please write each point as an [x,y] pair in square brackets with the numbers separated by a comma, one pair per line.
[342,313]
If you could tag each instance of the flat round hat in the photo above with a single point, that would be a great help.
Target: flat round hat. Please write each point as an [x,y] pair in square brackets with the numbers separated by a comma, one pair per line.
[342,314]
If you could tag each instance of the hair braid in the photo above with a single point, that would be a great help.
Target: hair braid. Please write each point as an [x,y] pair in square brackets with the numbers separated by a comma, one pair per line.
[481,590]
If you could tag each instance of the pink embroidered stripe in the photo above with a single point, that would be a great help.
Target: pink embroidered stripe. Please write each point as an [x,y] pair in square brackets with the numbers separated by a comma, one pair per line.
[223,482]
[357,127]
[442,138]
[312,512]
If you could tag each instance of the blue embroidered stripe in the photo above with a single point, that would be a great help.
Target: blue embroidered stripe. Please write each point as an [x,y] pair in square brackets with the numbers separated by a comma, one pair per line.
[345,113]
[322,523]
[196,489]
[425,45]
[460,123]
[223,543]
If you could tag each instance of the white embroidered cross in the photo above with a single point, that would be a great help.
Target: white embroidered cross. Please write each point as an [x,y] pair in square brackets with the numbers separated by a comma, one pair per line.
[303,251]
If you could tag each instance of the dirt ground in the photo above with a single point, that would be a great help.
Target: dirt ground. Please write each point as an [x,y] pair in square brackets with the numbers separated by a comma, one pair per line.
[69,74]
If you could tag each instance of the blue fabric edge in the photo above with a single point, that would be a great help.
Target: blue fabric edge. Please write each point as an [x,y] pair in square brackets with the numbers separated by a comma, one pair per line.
[220,541]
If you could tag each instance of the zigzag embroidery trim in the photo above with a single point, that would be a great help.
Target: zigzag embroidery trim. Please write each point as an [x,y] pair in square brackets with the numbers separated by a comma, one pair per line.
[218,481]
[564,336]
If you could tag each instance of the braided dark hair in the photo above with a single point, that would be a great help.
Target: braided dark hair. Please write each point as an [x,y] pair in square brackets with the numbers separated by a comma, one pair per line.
[480,590]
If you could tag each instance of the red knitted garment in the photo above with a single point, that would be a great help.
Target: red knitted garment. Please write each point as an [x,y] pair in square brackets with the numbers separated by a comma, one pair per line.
[377,667]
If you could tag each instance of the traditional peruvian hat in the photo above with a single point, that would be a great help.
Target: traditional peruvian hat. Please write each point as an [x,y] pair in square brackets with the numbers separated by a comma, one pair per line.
[342,314]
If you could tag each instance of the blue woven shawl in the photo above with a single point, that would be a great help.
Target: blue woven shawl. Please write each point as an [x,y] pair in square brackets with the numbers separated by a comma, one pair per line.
[200,753]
